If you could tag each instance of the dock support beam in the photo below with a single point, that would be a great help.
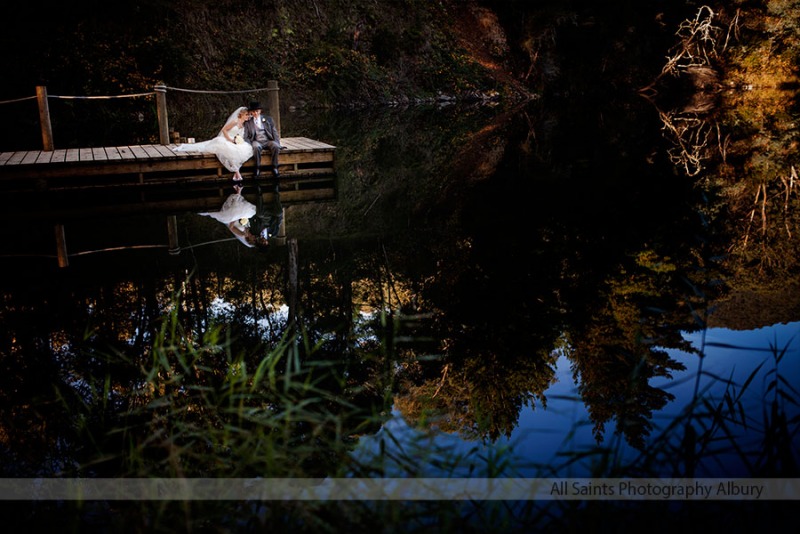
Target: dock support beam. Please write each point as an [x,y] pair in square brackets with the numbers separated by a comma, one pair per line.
[44,118]
[273,103]
[172,235]
[161,109]
[61,246]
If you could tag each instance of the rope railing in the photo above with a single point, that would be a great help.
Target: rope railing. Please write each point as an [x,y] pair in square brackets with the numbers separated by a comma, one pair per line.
[160,92]
[136,95]
[206,91]
[66,97]
[14,100]
[113,249]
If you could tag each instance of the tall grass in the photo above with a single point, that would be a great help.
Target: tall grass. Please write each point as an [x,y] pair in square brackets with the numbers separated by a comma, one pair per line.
[197,409]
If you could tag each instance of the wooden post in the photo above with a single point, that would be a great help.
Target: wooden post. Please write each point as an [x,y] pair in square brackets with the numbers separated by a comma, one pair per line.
[61,246]
[172,234]
[273,103]
[44,118]
[161,108]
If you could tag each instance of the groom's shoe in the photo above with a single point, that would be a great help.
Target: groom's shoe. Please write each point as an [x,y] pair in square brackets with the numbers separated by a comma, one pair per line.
[275,173]
[256,174]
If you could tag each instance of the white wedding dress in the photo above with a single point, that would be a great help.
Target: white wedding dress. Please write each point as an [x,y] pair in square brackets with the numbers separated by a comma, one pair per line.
[231,155]
[234,208]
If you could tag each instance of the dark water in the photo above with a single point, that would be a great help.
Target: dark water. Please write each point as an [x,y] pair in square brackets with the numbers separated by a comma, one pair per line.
[489,292]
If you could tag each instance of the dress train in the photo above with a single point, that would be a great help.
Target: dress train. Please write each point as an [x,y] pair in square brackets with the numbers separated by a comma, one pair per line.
[231,155]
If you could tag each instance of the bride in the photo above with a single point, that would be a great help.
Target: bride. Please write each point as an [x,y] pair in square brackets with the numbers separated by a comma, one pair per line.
[229,145]
[235,213]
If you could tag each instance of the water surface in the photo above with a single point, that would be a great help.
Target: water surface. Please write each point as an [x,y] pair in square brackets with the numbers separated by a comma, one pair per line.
[489,292]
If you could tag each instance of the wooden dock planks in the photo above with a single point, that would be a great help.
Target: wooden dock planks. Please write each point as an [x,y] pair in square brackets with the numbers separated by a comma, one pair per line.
[293,145]
[139,164]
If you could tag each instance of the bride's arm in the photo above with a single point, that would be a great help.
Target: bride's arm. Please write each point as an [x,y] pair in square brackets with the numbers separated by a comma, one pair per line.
[227,128]
[235,230]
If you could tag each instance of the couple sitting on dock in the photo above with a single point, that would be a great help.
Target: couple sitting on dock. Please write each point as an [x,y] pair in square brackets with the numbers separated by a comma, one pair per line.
[245,134]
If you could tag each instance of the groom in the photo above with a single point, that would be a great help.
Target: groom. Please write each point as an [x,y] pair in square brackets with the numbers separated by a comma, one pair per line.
[267,220]
[261,133]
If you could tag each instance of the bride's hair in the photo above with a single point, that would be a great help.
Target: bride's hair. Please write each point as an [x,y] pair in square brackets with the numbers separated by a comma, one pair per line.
[257,240]
[238,112]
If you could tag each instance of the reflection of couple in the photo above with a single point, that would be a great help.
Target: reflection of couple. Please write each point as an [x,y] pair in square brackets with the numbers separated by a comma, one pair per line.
[252,224]
[246,133]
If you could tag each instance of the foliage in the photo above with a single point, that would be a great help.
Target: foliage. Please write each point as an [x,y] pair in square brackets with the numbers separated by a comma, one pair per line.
[761,138]
[734,129]
[196,409]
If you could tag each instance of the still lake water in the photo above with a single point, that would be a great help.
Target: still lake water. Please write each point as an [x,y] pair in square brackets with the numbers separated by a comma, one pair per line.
[542,443]
[496,292]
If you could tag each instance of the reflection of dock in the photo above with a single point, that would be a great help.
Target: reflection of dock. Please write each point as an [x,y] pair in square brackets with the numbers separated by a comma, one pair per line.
[68,213]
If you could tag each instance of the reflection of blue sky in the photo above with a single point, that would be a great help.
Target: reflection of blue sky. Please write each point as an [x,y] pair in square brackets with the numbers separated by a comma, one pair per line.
[745,350]
[543,435]
[742,353]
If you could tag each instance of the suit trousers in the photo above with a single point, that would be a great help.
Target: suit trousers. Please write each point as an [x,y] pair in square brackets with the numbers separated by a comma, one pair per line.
[273,148]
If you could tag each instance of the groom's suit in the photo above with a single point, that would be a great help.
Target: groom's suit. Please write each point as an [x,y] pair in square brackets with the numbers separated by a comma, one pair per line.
[270,140]
[267,217]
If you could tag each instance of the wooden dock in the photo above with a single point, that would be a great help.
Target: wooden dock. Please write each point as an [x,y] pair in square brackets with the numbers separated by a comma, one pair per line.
[60,186]
[301,164]
[139,165]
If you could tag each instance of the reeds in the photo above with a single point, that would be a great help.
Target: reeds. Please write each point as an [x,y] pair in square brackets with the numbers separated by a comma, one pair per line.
[198,410]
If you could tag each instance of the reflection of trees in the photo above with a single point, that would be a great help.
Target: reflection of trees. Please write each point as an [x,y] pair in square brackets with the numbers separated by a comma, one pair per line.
[29,420]
[619,352]
[74,378]
[751,133]
[759,181]
[481,397]
[744,139]
[688,87]
[615,383]
[499,346]
[620,344]
[692,136]
[561,250]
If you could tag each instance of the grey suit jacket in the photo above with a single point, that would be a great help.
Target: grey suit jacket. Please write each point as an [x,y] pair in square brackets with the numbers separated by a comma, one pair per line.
[269,127]
[267,216]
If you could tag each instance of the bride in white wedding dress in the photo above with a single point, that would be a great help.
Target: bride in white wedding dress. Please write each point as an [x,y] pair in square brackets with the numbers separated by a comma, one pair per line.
[229,145]
[235,213]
